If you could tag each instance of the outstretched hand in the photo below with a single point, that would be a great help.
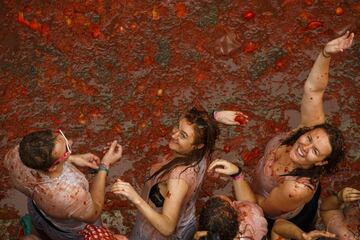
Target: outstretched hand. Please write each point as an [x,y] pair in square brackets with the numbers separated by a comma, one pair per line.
[125,189]
[317,234]
[224,167]
[348,195]
[231,117]
[339,44]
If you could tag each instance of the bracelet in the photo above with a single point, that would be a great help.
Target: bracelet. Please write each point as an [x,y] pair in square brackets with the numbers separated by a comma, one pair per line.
[239,177]
[237,174]
[103,167]
[339,197]
[323,53]
[215,114]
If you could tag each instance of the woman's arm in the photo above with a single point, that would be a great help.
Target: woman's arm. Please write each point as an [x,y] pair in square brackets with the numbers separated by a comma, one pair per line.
[285,229]
[242,189]
[312,110]
[331,205]
[166,221]
[284,198]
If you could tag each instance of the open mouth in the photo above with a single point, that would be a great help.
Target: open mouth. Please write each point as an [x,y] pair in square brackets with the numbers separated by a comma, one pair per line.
[300,152]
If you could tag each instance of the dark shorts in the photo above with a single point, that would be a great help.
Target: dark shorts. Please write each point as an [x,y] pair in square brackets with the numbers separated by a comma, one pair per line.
[305,218]
[45,228]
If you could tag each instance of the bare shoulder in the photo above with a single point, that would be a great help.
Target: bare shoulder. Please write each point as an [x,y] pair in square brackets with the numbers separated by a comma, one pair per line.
[297,190]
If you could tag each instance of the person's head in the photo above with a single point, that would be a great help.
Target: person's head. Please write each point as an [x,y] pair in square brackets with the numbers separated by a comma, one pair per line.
[43,150]
[196,131]
[219,219]
[321,146]
[192,140]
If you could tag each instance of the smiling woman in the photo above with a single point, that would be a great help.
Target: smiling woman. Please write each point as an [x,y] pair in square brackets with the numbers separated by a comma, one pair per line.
[287,176]
[167,203]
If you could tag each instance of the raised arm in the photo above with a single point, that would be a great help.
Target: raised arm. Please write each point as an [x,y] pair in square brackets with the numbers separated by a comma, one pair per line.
[166,221]
[97,190]
[242,189]
[331,206]
[312,110]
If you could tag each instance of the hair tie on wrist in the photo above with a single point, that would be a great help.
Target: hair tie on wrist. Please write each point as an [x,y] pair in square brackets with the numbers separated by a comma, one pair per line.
[238,175]
[323,53]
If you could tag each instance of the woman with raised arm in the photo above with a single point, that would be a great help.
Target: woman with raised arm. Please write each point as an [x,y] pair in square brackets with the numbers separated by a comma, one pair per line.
[166,207]
[341,214]
[287,176]
[221,218]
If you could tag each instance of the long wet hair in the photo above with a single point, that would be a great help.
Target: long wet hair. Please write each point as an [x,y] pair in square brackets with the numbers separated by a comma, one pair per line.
[36,148]
[219,219]
[336,140]
[206,132]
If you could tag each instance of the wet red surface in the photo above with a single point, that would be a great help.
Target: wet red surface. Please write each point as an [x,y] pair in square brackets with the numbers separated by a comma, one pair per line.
[126,70]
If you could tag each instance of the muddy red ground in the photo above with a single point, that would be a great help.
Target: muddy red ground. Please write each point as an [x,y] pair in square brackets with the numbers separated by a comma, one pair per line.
[126,70]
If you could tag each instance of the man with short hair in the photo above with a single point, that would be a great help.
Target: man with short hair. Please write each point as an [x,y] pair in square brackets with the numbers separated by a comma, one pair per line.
[59,199]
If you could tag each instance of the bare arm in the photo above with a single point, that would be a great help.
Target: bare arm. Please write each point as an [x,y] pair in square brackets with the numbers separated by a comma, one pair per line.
[166,221]
[286,197]
[331,205]
[312,110]
[285,229]
[97,190]
[242,190]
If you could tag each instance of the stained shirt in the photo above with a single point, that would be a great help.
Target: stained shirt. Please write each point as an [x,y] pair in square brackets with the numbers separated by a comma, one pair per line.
[252,223]
[193,176]
[265,180]
[62,199]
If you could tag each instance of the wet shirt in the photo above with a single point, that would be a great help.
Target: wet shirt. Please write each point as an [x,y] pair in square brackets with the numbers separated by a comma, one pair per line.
[185,227]
[252,224]
[61,198]
[265,180]
[346,225]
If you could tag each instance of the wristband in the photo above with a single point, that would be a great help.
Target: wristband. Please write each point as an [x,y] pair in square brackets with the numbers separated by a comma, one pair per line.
[214,115]
[323,53]
[241,176]
[238,174]
[103,167]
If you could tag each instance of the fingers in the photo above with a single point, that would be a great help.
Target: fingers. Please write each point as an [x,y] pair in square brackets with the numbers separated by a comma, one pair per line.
[217,163]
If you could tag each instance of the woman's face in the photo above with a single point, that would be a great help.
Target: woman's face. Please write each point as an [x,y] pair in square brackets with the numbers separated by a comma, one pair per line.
[311,148]
[182,138]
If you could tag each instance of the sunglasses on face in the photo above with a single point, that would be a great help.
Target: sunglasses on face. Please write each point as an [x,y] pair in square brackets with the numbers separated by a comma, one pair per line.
[68,149]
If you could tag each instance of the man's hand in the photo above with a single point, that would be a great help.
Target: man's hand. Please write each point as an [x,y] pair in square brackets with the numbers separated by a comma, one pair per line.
[85,160]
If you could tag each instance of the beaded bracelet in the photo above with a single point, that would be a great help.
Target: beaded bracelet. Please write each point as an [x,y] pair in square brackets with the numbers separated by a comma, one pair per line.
[103,167]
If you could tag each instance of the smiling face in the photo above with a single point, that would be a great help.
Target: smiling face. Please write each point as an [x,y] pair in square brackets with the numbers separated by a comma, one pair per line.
[183,138]
[311,148]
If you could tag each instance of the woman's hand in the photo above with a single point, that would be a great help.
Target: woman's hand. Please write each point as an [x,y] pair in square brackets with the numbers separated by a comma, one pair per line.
[317,234]
[125,189]
[231,117]
[348,195]
[113,154]
[85,160]
[339,44]
[224,167]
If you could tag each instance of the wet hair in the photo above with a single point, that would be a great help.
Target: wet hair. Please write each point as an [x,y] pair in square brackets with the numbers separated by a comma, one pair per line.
[219,219]
[36,148]
[336,140]
[206,132]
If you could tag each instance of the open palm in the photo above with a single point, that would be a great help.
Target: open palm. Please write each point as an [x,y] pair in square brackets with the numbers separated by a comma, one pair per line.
[339,44]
